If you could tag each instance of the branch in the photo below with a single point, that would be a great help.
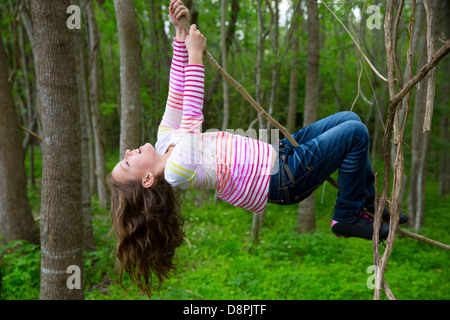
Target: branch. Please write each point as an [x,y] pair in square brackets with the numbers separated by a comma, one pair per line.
[357,45]
[382,263]
[431,81]
[395,40]
[34,134]
[419,237]
[437,56]
[415,236]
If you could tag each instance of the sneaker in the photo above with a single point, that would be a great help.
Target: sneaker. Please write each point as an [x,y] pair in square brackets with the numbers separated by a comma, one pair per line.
[361,228]
[386,215]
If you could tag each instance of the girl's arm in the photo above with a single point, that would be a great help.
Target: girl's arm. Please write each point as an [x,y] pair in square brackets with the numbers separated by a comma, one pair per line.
[181,166]
[194,89]
[174,106]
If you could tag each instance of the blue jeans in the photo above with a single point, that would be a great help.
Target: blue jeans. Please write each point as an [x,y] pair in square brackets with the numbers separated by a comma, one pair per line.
[338,142]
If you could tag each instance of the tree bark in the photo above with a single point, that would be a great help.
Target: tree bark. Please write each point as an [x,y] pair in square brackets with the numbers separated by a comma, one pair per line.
[212,86]
[86,154]
[259,59]
[444,100]
[294,70]
[276,63]
[257,218]
[306,221]
[223,50]
[16,221]
[431,81]
[97,124]
[130,79]
[61,213]
[419,143]
[382,261]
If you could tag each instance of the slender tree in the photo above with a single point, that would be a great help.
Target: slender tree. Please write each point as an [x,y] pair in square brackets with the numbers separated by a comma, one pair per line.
[97,120]
[223,50]
[294,67]
[61,214]
[86,134]
[306,216]
[16,221]
[130,80]
[444,100]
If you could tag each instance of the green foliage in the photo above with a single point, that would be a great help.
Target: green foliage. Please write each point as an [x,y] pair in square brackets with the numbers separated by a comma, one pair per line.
[218,260]
[108,109]
[20,271]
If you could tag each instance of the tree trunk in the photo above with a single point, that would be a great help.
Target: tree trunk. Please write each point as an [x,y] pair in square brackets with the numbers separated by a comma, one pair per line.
[273,91]
[223,44]
[257,218]
[31,120]
[261,39]
[97,124]
[419,142]
[306,221]
[212,85]
[61,213]
[26,19]
[16,221]
[130,79]
[86,155]
[444,181]
[294,70]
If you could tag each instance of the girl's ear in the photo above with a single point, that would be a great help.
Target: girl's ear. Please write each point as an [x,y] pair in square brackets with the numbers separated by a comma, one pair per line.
[148,180]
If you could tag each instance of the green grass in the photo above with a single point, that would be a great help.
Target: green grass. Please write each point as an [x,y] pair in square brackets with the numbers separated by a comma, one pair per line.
[220,262]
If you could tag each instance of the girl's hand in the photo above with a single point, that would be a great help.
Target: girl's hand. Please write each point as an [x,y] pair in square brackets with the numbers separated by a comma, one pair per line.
[195,45]
[176,10]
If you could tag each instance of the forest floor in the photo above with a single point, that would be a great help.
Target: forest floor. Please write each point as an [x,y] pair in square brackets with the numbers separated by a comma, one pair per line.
[218,260]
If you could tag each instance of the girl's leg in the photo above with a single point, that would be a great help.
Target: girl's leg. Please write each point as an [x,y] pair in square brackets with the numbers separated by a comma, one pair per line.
[321,126]
[314,130]
[339,142]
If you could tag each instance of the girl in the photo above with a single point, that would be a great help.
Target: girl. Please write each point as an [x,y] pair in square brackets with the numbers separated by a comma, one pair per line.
[245,172]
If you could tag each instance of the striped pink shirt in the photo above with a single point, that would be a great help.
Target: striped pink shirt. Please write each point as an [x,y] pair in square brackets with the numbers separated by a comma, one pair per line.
[238,167]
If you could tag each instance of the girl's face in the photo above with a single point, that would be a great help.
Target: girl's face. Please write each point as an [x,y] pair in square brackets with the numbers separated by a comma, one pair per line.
[136,164]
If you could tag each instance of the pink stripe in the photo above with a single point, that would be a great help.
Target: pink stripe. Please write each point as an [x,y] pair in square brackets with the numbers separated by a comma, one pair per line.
[200,87]
[242,183]
[241,176]
[262,199]
[199,92]
[196,76]
[176,65]
[197,102]
[259,193]
[181,56]
[195,81]
[178,78]
[252,182]
[177,88]
[191,105]
[229,172]
[179,69]
[179,63]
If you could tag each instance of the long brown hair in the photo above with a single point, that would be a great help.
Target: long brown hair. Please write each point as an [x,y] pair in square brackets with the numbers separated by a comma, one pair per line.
[149,227]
